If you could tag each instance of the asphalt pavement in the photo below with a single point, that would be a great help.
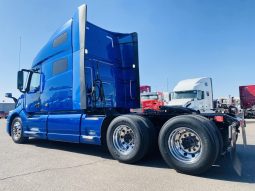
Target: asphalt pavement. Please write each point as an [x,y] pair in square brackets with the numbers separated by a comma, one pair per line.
[46,165]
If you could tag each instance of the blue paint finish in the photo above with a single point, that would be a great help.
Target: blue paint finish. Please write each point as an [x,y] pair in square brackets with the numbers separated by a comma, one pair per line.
[96,71]
[64,127]
[8,121]
[91,129]
[111,80]
[49,51]
[110,59]
[16,112]
[76,81]
[32,98]
[57,91]
[35,125]
[114,59]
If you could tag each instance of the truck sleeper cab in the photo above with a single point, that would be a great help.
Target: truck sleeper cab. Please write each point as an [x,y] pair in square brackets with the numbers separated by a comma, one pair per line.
[80,89]
[194,93]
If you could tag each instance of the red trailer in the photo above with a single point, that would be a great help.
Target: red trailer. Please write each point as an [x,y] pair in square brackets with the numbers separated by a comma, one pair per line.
[247,100]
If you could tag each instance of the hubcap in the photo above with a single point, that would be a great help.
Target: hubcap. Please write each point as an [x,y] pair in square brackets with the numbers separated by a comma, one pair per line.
[185,145]
[123,139]
[16,129]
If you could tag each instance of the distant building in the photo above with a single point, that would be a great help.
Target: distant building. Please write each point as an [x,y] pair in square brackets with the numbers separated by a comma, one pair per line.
[5,108]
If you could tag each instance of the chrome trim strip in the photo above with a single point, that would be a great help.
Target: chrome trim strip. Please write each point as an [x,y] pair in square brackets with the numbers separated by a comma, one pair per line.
[87,137]
[82,26]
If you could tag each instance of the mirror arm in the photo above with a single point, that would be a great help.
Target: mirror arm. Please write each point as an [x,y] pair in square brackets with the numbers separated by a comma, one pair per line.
[9,95]
[25,70]
[15,100]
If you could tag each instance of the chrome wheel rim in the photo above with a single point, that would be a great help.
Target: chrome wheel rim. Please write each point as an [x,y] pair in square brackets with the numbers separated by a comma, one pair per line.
[185,145]
[123,139]
[16,129]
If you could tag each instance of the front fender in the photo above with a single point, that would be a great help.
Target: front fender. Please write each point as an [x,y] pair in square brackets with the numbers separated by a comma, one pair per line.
[11,116]
[17,112]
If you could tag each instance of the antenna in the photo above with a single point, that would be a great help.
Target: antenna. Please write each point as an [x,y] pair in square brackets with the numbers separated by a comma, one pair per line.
[19,50]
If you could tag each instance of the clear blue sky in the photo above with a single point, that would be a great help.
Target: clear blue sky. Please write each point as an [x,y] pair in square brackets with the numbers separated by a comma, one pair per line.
[178,39]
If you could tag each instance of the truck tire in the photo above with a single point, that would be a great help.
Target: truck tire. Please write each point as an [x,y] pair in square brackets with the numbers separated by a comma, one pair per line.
[152,148]
[17,131]
[215,133]
[186,144]
[127,139]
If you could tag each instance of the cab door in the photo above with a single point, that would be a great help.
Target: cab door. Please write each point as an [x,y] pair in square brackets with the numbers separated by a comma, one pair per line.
[35,121]
[33,103]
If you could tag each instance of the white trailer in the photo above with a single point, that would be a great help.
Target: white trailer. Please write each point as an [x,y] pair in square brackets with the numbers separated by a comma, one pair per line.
[194,93]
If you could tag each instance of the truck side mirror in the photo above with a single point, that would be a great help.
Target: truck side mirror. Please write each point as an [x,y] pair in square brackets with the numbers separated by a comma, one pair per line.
[20,81]
[200,95]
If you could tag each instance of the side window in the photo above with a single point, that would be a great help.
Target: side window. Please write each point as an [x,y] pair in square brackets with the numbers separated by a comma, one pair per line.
[200,95]
[35,82]
[59,66]
[60,40]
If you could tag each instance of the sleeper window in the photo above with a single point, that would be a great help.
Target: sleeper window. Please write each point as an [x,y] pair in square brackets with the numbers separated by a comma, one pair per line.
[60,40]
[59,66]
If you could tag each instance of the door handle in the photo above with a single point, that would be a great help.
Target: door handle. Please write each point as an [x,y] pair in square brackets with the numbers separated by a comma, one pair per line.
[130,89]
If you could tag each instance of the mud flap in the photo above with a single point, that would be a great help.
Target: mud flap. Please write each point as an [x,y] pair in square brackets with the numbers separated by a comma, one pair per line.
[243,126]
[233,154]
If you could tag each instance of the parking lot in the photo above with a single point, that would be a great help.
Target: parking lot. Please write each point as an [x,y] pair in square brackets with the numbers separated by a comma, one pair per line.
[44,165]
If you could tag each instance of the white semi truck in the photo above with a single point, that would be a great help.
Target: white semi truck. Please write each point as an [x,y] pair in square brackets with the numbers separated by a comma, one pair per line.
[194,93]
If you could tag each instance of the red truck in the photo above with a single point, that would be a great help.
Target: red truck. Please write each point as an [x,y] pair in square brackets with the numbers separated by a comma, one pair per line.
[247,100]
[145,88]
[152,100]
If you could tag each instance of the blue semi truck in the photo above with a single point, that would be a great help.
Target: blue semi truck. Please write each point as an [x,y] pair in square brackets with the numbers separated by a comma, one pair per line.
[81,87]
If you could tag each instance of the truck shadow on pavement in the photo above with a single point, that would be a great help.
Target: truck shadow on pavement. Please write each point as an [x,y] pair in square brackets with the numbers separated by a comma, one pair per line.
[244,163]
[222,170]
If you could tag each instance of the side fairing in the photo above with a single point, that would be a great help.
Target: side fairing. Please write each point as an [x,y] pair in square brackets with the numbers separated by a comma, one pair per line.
[112,68]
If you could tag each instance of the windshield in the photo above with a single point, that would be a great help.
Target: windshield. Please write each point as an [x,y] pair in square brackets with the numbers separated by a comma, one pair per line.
[184,94]
[149,97]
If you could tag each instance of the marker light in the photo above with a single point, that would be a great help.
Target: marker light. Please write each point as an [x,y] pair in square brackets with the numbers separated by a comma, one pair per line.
[218,118]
